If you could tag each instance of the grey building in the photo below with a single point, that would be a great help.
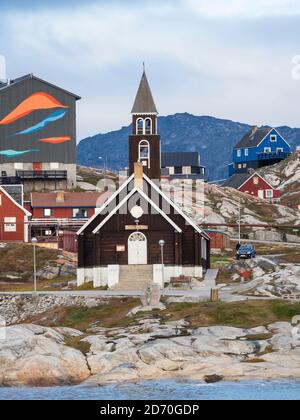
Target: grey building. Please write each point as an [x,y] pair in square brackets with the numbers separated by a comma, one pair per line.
[37,134]
[183,165]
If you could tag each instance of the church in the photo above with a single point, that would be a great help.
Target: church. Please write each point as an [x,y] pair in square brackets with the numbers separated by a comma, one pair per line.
[140,235]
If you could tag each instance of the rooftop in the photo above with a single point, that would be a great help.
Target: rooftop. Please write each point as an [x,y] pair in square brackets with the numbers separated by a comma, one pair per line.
[180,159]
[253,138]
[12,82]
[69,199]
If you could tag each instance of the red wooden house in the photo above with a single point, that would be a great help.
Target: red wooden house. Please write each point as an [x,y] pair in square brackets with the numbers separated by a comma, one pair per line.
[253,184]
[14,218]
[55,212]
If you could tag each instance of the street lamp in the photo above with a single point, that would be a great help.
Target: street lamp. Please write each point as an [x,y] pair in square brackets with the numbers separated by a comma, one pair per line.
[34,242]
[162,243]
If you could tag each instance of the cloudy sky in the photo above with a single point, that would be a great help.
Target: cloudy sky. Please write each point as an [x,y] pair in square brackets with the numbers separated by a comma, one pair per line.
[225,58]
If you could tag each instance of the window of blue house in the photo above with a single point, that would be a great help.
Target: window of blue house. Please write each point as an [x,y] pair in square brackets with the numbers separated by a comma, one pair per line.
[239,153]
[267,150]
[279,150]
[273,138]
[246,152]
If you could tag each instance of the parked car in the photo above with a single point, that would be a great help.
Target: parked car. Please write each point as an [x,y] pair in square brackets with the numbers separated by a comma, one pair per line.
[246,251]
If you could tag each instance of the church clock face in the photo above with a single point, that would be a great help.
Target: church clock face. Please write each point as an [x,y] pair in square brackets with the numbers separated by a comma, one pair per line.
[137,212]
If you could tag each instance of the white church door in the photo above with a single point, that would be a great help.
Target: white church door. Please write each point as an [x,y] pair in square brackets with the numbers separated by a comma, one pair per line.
[137,249]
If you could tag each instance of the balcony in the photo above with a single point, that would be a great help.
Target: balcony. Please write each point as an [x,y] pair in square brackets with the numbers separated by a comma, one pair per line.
[41,175]
[10,180]
[273,156]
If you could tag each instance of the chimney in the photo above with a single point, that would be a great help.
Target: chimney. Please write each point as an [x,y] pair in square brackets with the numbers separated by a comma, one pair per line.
[254,129]
[60,197]
[138,175]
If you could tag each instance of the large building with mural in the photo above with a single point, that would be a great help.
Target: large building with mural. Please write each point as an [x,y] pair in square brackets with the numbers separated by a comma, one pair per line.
[37,134]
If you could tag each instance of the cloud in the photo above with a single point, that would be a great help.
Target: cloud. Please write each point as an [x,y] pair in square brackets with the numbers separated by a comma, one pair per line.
[244,8]
[201,56]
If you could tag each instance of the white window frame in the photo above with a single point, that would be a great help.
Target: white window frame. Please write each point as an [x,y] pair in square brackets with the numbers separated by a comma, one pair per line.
[246,152]
[47,211]
[269,193]
[145,127]
[142,130]
[279,150]
[239,153]
[273,138]
[186,170]
[10,224]
[78,210]
[240,166]
[171,170]
[267,150]
[144,160]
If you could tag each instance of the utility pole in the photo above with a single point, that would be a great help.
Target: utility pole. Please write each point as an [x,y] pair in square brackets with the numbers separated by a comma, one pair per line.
[239,222]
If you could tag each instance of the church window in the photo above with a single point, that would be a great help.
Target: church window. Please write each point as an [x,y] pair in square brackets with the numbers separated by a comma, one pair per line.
[144,153]
[140,126]
[148,126]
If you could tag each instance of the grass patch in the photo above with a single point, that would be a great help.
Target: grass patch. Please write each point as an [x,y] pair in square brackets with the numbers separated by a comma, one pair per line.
[259,337]
[246,314]
[17,259]
[110,314]
[254,360]
[78,344]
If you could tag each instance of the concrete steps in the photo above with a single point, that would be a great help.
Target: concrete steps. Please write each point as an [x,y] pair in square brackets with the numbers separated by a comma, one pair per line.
[134,277]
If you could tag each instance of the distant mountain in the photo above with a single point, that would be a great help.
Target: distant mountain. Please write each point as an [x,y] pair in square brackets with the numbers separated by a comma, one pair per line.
[214,138]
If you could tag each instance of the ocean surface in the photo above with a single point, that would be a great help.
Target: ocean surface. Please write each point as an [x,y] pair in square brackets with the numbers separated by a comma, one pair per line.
[162,390]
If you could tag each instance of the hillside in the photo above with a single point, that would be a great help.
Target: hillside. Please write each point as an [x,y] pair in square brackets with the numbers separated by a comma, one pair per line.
[214,138]
[286,177]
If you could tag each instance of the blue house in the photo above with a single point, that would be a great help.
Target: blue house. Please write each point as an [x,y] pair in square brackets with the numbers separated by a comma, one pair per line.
[258,148]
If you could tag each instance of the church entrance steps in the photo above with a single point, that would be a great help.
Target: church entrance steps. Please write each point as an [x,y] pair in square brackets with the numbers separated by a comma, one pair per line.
[134,277]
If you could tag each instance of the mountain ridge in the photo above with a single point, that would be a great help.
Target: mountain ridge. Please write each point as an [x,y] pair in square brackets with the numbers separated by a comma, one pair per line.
[213,137]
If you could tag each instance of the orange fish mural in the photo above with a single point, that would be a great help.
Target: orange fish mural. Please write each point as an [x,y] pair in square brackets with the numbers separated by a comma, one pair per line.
[55,140]
[39,100]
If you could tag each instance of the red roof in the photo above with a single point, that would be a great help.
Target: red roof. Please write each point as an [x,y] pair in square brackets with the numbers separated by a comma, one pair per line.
[69,199]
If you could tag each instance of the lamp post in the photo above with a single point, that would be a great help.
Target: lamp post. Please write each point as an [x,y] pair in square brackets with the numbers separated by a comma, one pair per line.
[34,242]
[162,243]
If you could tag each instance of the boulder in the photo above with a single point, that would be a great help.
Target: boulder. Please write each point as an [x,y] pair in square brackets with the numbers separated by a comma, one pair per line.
[36,356]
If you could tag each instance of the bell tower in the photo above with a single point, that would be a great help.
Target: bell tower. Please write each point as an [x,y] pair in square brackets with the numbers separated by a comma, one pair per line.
[144,143]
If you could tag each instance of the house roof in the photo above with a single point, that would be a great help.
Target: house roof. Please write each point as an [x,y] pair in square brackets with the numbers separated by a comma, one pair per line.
[12,82]
[144,102]
[180,159]
[253,138]
[16,192]
[71,200]
[159,191]
[26,212]
[236,180]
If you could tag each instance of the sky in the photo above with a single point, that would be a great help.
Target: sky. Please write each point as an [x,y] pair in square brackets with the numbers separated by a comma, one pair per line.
[233,59]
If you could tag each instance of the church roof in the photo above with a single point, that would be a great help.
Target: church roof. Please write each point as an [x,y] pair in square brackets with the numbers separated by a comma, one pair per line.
[144,102]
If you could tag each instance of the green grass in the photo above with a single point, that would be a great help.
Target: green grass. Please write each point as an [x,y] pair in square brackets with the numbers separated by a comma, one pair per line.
[247,314]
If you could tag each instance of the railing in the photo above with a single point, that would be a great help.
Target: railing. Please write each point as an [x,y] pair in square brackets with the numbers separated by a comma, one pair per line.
[10,180]
[273,155]
[57,222]
[23,175]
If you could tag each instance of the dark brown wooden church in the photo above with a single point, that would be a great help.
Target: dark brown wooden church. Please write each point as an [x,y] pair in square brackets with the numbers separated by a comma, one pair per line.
[140,234]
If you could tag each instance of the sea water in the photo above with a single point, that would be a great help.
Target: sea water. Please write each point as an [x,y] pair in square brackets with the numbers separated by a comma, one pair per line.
[163,390]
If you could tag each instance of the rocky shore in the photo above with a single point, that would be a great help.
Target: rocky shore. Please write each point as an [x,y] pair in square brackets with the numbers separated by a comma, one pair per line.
[32,355]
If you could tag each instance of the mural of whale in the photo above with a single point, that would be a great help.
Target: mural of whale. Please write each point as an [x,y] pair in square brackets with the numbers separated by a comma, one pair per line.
[37,101]
[15,153]
[55,116]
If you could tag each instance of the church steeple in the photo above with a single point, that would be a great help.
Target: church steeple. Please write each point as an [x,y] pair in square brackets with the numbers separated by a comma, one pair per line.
[144,143]
[144,102]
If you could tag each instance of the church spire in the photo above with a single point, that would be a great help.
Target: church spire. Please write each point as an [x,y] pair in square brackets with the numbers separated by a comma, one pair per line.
[144,102]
